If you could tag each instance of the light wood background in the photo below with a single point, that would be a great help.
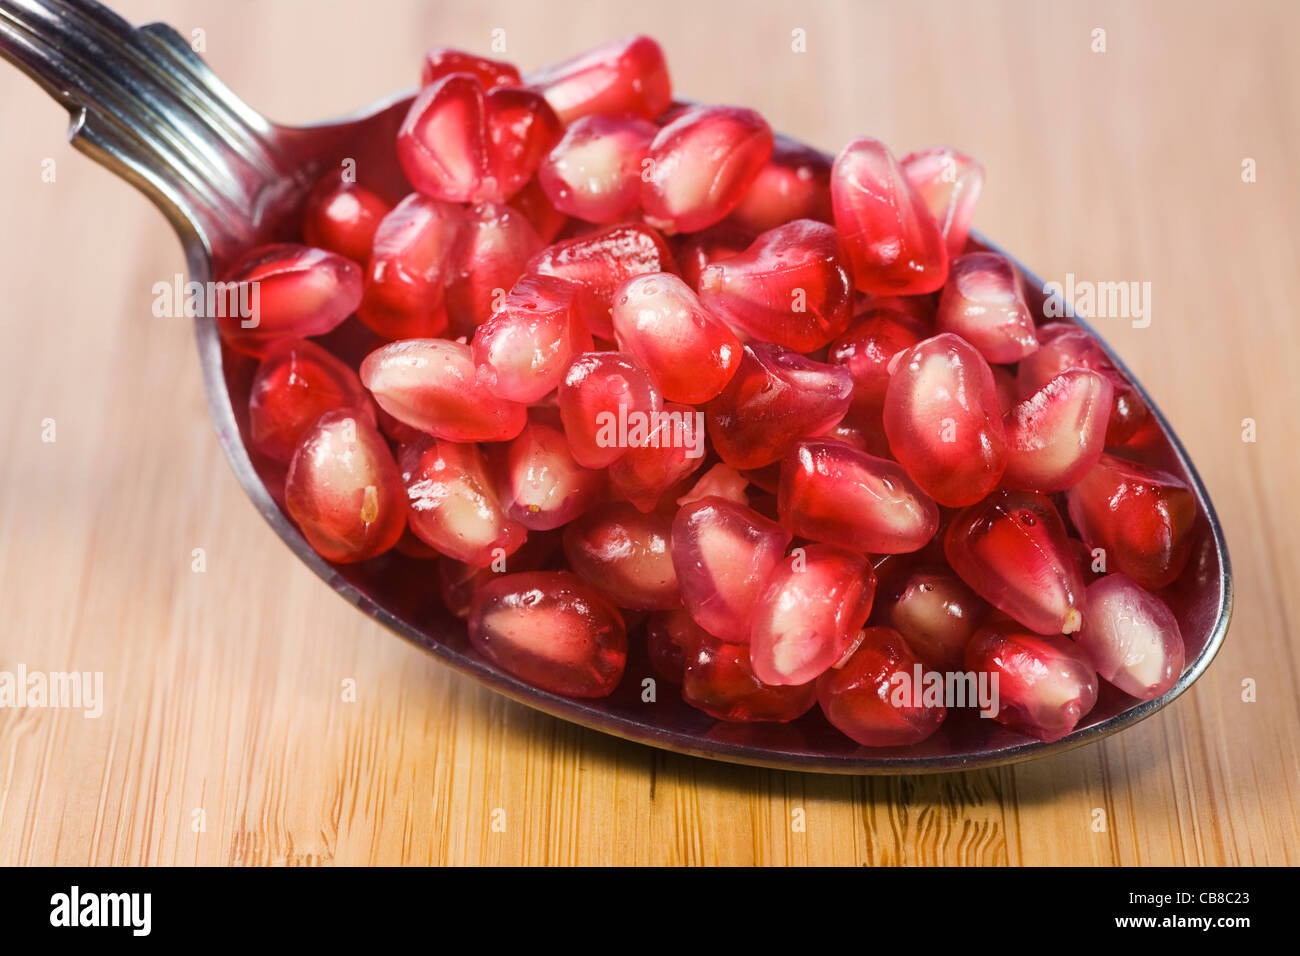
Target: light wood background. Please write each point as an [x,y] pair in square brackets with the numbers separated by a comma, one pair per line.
[223,701]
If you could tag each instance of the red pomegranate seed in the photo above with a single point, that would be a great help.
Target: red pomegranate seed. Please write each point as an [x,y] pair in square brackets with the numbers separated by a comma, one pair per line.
[1131,637]
[870,699]
[937,615]
[943,422]
[697,251]
[625,555]
[775,398]
[724,553]
[720,481]
[523,349]
[297,382]
[949,183]
[809,613]
[600,262]
[546,220]
[1056,435]
[393,430]
[983,304]
[701,165]
[342,217]
[1008,390]
[604,398]
[833,493]
[594,172]
[551,629]
[458,582]
[404,296]
[287,291]
[795,183]
[443,61]
[789,287]
[1045,685]
[431,384]
[670,636]
[921,308]
[866,349]
[642,474]
[544,486]
[688,351]
[492,246]
[343,489]
[1013,551]
[719,680]
[629,77]
[892,241]
[1140,516]
[863,432]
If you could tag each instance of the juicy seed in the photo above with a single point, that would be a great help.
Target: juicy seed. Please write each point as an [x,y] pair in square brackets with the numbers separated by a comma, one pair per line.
[866,350]
[608,404]
[625,556]
[491,248]
[629,77]
[1132,637]
[1056,435]
[949,184]
[544,487]
[673,453]
[982,303]
[594,172]
[937,615]
[443,61]
[404,295]
[719,680]
[795,183]
[342,217]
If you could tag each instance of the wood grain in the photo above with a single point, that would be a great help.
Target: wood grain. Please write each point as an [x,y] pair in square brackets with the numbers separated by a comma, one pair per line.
[224,688]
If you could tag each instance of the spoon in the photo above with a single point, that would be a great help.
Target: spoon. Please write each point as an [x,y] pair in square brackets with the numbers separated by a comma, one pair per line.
[145,106]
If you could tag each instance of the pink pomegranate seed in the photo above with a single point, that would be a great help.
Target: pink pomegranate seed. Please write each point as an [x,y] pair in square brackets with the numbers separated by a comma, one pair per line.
[893,243]
[551,629]
[697,251]
[1131,637]
[983,304]
[1013,551]
[833,493]
[775,398]
[1045,685]
[544,487]
[688,351]
[809,613]
[600,262]
[431,384]
[720,481]
[546,220]
[789,287]
[1140,516]
[866,349]
[296,383]
[719,680]
[594,172]
[937,615]
[523,349]
[643,473]
[861,697]
[724,552]
[343,489]
[629,77]
[625,555]
[603,397]
[443,61]
[342,217]
[795,183]
[949,183]
[286,291]
[942,419]
[404,296]
[1056,435]
[492,246]
[701,165]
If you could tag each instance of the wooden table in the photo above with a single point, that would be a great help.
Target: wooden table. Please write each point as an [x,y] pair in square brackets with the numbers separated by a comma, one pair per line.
[225,737]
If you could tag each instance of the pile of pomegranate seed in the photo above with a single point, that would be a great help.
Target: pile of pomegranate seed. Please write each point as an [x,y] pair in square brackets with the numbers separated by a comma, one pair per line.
[642,371]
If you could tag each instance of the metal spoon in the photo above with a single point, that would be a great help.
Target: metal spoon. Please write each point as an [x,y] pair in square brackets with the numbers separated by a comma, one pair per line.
[144,105]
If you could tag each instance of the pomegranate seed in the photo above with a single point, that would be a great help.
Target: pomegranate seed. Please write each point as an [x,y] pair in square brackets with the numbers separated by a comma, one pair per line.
[689,353]
[342,217]
[833,493]
[594,172]
[431,384]
[343,489]
[403,296]
[865,350]
[1056,435]
[720,481]
[809,613]
[599,391]
[546,220]
[860,698]
[543,486]
[942,419]
[1141,516]
[775,398]
[865,433]
[1131,637]
[719,680]
[523,349]
[893,244]
[789,287]
[697,251]
[1045,685]
[393,430]
[643,473]
[701,165]
[296,383]
[492,247]
[1013,551]
[629,77]
[625,556]
[1008,390]
[937,615]
[949,183]
[443,61]
[795,183]
[600,262]
[551,629]
[922,308]
[292,291]
[983,304]
[670,636]
[457,582]
[723,553]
